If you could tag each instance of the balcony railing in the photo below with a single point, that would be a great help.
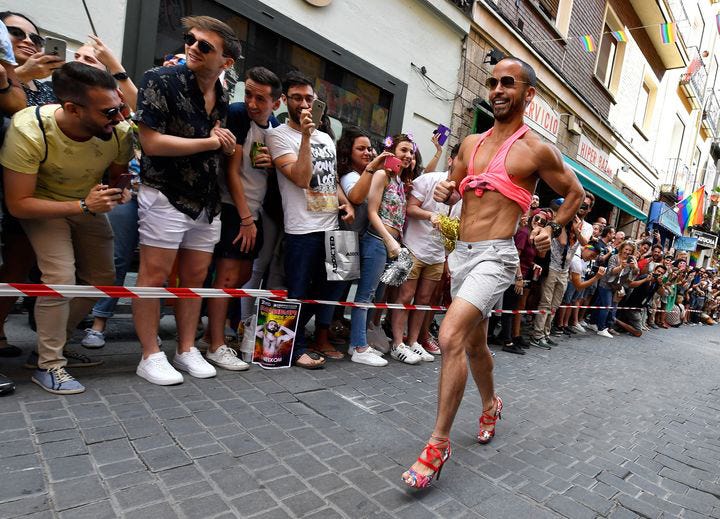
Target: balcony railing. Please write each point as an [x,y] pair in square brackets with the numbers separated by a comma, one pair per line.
[675,176]
[694,78]
[465,5]
[711,115]
[689,37]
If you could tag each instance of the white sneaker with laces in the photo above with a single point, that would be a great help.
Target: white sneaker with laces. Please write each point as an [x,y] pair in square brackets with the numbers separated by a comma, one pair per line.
[157,370]
[193,363]
[605,333]
[424,355]
[591,326]
[404,354]
[93,339]
[369,357]
[226,358]
[581,325]
[375,352]
[578,328]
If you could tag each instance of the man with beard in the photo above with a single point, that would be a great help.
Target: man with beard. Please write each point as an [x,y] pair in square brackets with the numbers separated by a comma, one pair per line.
[54,158]
[181,111]
[496,173]
[305,159]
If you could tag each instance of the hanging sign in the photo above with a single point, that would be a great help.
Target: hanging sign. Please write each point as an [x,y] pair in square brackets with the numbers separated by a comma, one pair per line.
[595,158]
[540,116]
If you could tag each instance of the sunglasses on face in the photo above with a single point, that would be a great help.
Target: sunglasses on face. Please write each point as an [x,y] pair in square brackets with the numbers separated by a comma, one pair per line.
[204,46]
[584,207]
[17,32]
[540,221]
[112,113]
[506,82]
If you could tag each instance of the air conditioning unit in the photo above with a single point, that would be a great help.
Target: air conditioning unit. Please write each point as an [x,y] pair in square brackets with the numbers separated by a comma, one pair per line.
[574,125]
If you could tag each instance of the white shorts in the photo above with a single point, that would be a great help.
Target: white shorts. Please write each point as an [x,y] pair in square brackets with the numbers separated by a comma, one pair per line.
[163,226]
[480,272]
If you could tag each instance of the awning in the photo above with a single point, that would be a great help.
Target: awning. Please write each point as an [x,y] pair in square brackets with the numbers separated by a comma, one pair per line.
[604,189]
[663,215]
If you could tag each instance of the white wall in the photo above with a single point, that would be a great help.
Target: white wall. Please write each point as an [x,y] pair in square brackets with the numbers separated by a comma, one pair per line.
[371,30]
[67,20]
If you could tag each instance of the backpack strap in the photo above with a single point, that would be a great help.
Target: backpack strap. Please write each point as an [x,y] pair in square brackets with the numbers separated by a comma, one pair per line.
[42,129]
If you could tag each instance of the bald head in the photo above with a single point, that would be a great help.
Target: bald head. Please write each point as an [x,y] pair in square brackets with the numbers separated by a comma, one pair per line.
[527,71]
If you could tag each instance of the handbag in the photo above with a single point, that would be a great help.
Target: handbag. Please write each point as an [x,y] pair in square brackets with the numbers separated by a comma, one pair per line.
[342,255]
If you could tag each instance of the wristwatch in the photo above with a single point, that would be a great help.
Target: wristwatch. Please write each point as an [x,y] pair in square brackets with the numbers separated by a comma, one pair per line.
[556,229]
[7,88]
[121,76]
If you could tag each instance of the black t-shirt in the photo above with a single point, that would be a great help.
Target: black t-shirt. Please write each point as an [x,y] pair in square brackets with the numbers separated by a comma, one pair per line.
[641,295]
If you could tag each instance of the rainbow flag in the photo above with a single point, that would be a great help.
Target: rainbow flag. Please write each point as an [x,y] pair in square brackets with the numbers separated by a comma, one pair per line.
[667,32]
[717,22]
[588,43]
[620,36]
[690,209]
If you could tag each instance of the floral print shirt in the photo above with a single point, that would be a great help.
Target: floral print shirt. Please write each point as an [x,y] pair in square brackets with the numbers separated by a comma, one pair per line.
[44,95]
[170,102]
[392,205]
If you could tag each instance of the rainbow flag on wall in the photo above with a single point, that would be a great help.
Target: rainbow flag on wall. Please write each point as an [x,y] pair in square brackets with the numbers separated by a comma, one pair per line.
[690,209]
[620,36]
[588,43]
[667,32]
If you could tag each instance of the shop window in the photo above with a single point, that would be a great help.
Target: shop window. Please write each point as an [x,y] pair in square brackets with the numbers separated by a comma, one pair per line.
[558,12]
[610,54]
[351,100]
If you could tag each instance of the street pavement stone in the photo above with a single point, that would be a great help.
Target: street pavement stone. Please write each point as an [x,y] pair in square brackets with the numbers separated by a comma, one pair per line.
[593,428]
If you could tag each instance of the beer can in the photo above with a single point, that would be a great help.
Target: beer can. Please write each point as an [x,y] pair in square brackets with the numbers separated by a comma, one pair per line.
[254,150]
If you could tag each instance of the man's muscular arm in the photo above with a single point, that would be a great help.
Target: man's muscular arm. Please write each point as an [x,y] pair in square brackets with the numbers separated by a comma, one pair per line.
[446,190]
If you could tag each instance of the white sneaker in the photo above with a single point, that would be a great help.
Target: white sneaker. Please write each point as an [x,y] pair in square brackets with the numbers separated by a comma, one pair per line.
[368,357]
[424,355]
[377,339]
[157,370]
[591,326]
[226,358]
[93,339]
[193,363]
[605,333]
[404,354]
[578,328]
[581,325]
[375,352]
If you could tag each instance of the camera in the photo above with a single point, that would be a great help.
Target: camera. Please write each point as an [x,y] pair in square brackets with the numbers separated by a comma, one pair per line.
[594,269]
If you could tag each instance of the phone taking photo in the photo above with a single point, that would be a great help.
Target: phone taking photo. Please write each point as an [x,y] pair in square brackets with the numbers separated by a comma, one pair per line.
[316,111]
[55,47]
[123,181]
[393,164]
[443,132]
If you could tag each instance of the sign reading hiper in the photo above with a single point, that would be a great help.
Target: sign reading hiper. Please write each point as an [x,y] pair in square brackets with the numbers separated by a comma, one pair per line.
[540,116]
[595,158]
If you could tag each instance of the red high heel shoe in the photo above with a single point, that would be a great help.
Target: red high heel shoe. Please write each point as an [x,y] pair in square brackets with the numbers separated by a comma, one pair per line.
[432,455]
[487,418]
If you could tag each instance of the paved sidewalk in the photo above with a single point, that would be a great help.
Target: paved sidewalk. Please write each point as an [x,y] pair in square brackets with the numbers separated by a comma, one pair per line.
[594,428]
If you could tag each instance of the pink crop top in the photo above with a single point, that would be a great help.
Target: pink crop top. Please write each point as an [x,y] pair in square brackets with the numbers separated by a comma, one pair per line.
[496,177]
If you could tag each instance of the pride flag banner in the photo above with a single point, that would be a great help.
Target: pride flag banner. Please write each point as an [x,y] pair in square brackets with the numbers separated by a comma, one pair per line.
[588,43]
[667,32]
[690,209]
[620,36]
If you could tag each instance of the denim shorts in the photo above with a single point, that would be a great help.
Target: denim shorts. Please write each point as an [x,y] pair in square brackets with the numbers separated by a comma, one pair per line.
[481,271]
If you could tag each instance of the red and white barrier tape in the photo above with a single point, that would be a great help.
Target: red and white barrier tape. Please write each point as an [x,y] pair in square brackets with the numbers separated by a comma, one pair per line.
[41,290]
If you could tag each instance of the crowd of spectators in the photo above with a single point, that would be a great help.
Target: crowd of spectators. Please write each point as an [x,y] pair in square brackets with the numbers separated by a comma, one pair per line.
[222,194]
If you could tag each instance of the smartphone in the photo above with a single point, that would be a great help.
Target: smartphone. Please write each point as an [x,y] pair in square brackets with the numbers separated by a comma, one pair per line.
[55,47]
[393,164]
[123,181]
[444,132]
[317,110]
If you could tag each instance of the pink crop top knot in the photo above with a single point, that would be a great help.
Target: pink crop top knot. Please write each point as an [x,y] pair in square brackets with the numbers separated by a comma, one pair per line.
[496,177]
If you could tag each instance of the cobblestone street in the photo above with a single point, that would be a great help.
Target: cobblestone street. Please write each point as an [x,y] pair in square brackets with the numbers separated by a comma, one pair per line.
[593,428]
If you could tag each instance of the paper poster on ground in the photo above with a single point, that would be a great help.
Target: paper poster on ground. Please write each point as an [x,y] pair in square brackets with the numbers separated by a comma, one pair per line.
[275,329]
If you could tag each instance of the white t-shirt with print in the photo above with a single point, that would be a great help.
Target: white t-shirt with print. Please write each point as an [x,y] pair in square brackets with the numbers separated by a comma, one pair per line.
[254,180]
[421,238]
[316,208]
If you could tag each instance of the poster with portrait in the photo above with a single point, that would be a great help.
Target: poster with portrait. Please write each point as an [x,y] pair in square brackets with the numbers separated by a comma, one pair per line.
[379,120]
[275,329]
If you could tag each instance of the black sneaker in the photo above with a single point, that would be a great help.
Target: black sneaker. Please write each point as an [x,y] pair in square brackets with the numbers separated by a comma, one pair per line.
[568,331]
[6,385]
[513,348]
[540,343]
[550,341]
[557,332]
[520,341]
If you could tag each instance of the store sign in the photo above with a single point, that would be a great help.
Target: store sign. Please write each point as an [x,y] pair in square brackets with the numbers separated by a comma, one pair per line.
[593,157]
[685,243]
[704,239]
[540,116]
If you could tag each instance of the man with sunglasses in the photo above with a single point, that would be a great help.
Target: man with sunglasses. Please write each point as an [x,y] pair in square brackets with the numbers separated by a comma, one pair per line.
[54,158]
[180,114]
[495,175]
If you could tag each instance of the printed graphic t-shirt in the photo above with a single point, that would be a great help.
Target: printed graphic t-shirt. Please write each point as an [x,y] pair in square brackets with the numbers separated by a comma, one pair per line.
[316,208]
